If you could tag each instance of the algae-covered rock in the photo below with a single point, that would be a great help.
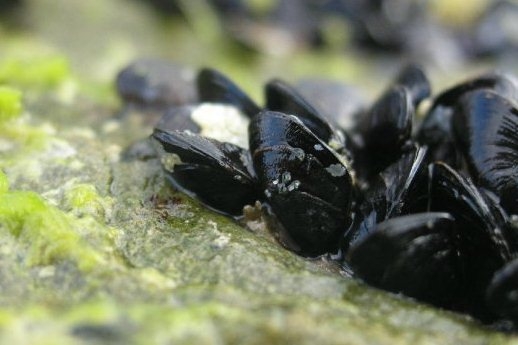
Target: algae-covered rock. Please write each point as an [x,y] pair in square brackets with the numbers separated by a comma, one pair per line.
[95,247]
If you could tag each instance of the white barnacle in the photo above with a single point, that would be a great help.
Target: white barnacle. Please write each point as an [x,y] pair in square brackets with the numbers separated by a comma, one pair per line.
[298,154]
[222,122]
[169,160]
[336,170]
[318,147]
[286,177]
[267,193]
[293,186]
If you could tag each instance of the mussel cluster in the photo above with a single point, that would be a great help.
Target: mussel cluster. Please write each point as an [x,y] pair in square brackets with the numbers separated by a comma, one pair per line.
[428,212]
[399,26]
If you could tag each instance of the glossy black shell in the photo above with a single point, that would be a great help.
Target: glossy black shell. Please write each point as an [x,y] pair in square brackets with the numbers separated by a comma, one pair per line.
[215,173]
[306,185]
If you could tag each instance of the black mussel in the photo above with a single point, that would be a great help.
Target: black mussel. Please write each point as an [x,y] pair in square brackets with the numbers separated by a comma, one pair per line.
[284,98]
[401,188]
[502,84]
[156,83]
[385,131]
[415,255]
[218,174]
[453,193]
[414,79]
[502,293]
[378,27]
[436,129]
[306,184]
[214,87]
[436,133]
[482,244]
[485,126]
[338,102]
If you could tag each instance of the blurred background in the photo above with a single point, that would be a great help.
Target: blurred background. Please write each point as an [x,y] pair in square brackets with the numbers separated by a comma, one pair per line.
[361,42]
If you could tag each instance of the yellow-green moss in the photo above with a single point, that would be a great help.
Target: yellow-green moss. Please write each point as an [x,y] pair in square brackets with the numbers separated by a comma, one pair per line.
[36,72]
[48,231]
[82,198]
[4,184]
[10,103]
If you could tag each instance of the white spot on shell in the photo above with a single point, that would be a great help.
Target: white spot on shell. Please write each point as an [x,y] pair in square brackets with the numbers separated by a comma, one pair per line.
[336,170]
[293,186]
[298,154]
[318,147]
[282,184]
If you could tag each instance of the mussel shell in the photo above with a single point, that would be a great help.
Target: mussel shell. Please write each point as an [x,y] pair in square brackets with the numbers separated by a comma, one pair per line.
[485,125]
[500,83]
[482,245]
[413,77]
[385,130]
[214,87]
[415,255]
[304,181]
[436,130]
[401,188]
[156,83]
[453,193]
[282,97]
[503,290]
[217,174]
[338,102]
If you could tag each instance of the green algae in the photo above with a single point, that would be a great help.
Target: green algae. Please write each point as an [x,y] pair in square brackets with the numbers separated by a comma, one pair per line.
[83,198]
[228,316]
[48,231]
[35,72]
[10,103]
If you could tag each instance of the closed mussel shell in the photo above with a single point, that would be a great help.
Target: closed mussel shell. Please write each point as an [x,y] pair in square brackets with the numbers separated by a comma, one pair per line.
[305,183]
[502,291]
[385,131]
[215,87]
[284,98]
[436,129]
[218,174]
[415,255]
[156,83]
[482,245]
[414,79]
[485,125]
